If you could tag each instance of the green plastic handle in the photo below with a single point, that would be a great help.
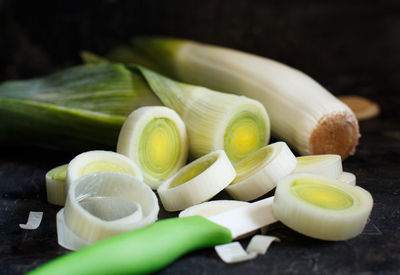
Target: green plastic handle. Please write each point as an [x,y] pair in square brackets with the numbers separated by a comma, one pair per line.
[141,251]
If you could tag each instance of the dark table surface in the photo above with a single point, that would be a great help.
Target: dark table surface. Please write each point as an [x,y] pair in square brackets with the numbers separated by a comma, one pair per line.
[351,47]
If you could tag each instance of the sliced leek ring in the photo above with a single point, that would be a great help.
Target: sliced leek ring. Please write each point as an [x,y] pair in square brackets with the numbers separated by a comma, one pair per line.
[104,204]
[321,207]
[155,138]
[96,161]
[328,165]
[197,182]
[55,184]
[348,178]
[259,173]
[211,208]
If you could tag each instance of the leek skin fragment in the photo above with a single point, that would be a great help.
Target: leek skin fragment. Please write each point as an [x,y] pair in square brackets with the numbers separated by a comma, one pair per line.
[80,108]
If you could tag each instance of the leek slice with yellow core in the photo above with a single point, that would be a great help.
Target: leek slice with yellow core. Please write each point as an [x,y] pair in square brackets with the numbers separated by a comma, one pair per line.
[258,173]
[97,161]
[321,207]
[197,182]
[214,120]
[328,165]
[104,204]
[155,138]
[55,184]
[302,112]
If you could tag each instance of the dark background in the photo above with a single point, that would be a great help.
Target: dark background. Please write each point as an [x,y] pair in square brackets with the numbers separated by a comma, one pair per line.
[351,47]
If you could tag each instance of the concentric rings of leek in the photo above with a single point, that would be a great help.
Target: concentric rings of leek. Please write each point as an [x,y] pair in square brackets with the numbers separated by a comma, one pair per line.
[328,165]
[55,184]
[155,138]
[258,173]
[197,182]
[98,161]
[246,133]
[103,204]
[321,207]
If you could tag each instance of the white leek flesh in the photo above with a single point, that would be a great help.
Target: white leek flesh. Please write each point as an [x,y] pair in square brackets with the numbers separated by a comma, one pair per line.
[211,208]
[258,173]
[197,182]
[214,120]
[34,220]
[348,178]
[302,112]
[104,204]
[327,165]
[55,184]
[97,161]
[321,207]
[155,138]
[65,237]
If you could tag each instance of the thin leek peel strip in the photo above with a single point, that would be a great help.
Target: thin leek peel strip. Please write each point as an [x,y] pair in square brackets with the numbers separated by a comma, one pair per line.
[214,120]
[104,204]
[55,184]
[96,161]
[231,253]
[234,253]
[328,165]
[321,207]
[34,220]
[155,138]
[197,182]
[259,172]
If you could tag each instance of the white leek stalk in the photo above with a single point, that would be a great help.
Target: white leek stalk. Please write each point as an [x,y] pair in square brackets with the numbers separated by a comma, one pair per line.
[302,112]
[321,207]
[155,138]
[258,173]
[214,120]
[197,182]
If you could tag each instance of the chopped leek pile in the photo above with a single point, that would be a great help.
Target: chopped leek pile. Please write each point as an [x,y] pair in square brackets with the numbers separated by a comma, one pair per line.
[226,136]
